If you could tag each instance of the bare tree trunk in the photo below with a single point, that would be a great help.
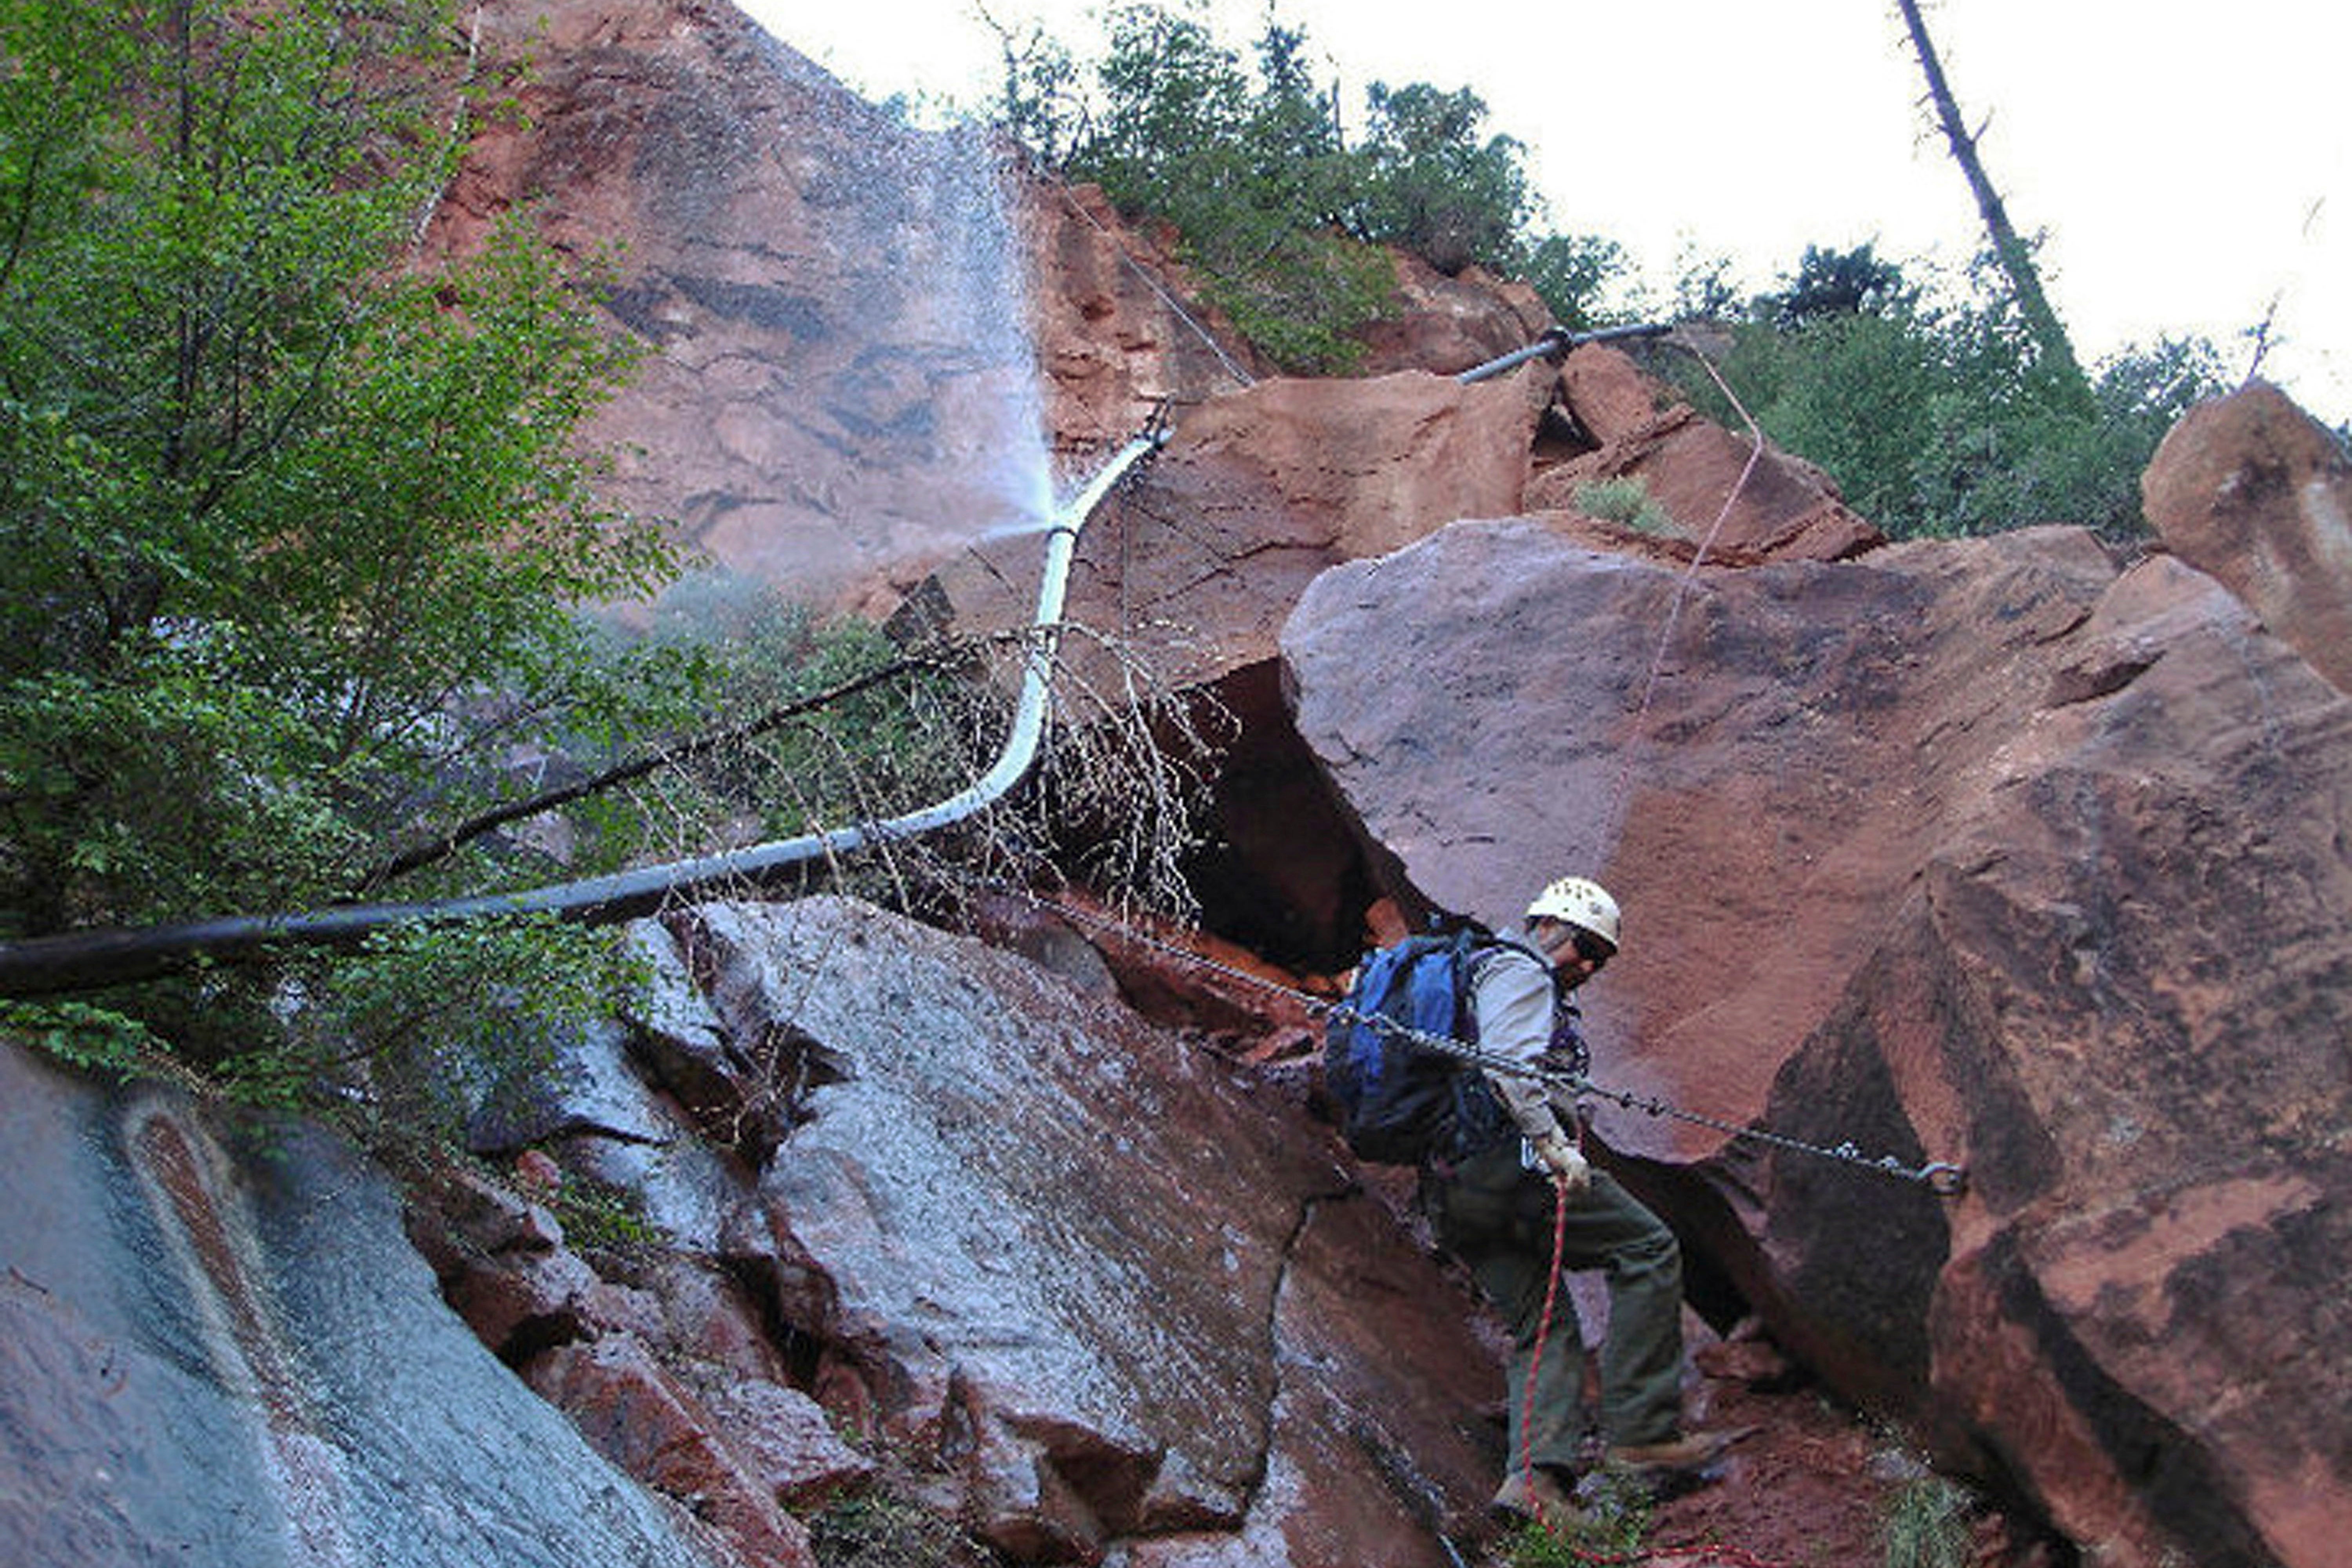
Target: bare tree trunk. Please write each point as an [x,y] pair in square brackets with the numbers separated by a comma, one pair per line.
[2015,259]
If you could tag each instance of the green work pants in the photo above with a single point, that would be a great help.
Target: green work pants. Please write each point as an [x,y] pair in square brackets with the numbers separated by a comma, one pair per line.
[1497,1218]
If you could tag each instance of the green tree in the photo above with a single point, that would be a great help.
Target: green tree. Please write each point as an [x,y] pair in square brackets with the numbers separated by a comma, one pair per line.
[1169,136]
[295,528]
[1248,168]
[1438,189]
[1571,272]
[1039,101]
[276,507]
[1831,283]
[1943,417]
[1278,216]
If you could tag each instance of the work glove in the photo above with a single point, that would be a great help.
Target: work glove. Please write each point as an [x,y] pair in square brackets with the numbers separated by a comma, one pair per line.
[1564,1161]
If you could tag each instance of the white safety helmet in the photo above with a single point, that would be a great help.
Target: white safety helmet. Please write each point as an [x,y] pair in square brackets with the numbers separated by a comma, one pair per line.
[1580,902]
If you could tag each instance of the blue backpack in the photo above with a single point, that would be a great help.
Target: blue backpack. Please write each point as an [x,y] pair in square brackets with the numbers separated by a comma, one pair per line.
[1402,1102]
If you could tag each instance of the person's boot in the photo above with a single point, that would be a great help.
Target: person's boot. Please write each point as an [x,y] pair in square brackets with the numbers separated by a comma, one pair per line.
[1532,1494]
[1686,1453]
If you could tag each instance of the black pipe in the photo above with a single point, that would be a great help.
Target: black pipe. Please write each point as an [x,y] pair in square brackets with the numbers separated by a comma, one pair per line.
[1555,344]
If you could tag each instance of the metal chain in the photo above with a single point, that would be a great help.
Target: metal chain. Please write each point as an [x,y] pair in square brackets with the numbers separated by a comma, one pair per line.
[1939,1177]
[1943,1179]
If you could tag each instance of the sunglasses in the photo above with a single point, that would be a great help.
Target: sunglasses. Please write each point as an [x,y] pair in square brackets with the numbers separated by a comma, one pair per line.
[1590,948]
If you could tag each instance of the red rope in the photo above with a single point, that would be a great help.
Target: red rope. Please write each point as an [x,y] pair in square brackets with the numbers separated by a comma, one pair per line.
[1735,1555]
[1696,1551]
[1543,1336]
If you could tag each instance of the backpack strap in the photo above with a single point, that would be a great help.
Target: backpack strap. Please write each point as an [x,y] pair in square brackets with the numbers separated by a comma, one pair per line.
[1489,947]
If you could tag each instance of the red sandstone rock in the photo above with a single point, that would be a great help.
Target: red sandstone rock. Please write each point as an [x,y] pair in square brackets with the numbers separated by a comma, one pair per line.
[1255,494]
[2254,490]
[1774,507]
[1120,328]
[1449,324]
[1975,851]
[502,1265]
[1090,1284]
[645,1422]
[788,1440]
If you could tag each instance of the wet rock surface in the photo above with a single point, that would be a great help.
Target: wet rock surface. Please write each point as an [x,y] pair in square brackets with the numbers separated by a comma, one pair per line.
[224,1353]
[1073,1265]
[837,387]
[2008,852]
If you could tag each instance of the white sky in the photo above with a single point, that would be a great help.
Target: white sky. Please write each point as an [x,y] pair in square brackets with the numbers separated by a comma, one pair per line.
[2189,162]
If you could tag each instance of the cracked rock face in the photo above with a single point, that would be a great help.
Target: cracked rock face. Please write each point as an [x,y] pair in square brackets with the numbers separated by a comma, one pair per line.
[1079,1274]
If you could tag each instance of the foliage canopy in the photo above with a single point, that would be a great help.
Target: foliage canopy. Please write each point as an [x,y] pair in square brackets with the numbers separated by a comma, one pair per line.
[1280,215]
[278,505]
[1935,411]
[1939,418]
[294,524]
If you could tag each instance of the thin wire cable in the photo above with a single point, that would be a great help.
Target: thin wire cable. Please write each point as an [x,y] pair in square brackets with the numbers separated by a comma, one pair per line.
[1624,783]
[1235,371]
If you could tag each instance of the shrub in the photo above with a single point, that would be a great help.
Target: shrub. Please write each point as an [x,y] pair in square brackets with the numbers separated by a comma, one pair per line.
[1936,417]
[1925,1524]
[1627,500]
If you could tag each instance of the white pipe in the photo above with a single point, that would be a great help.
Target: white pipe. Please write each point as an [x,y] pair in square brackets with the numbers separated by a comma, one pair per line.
[1020,746]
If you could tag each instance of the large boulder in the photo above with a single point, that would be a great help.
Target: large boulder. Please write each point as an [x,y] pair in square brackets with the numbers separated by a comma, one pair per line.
[1448,323]
[1979,852]
[998,1248]
[2256,493]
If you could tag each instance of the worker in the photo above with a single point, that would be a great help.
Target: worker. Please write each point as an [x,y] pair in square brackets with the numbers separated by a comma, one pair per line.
[1494,1209]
